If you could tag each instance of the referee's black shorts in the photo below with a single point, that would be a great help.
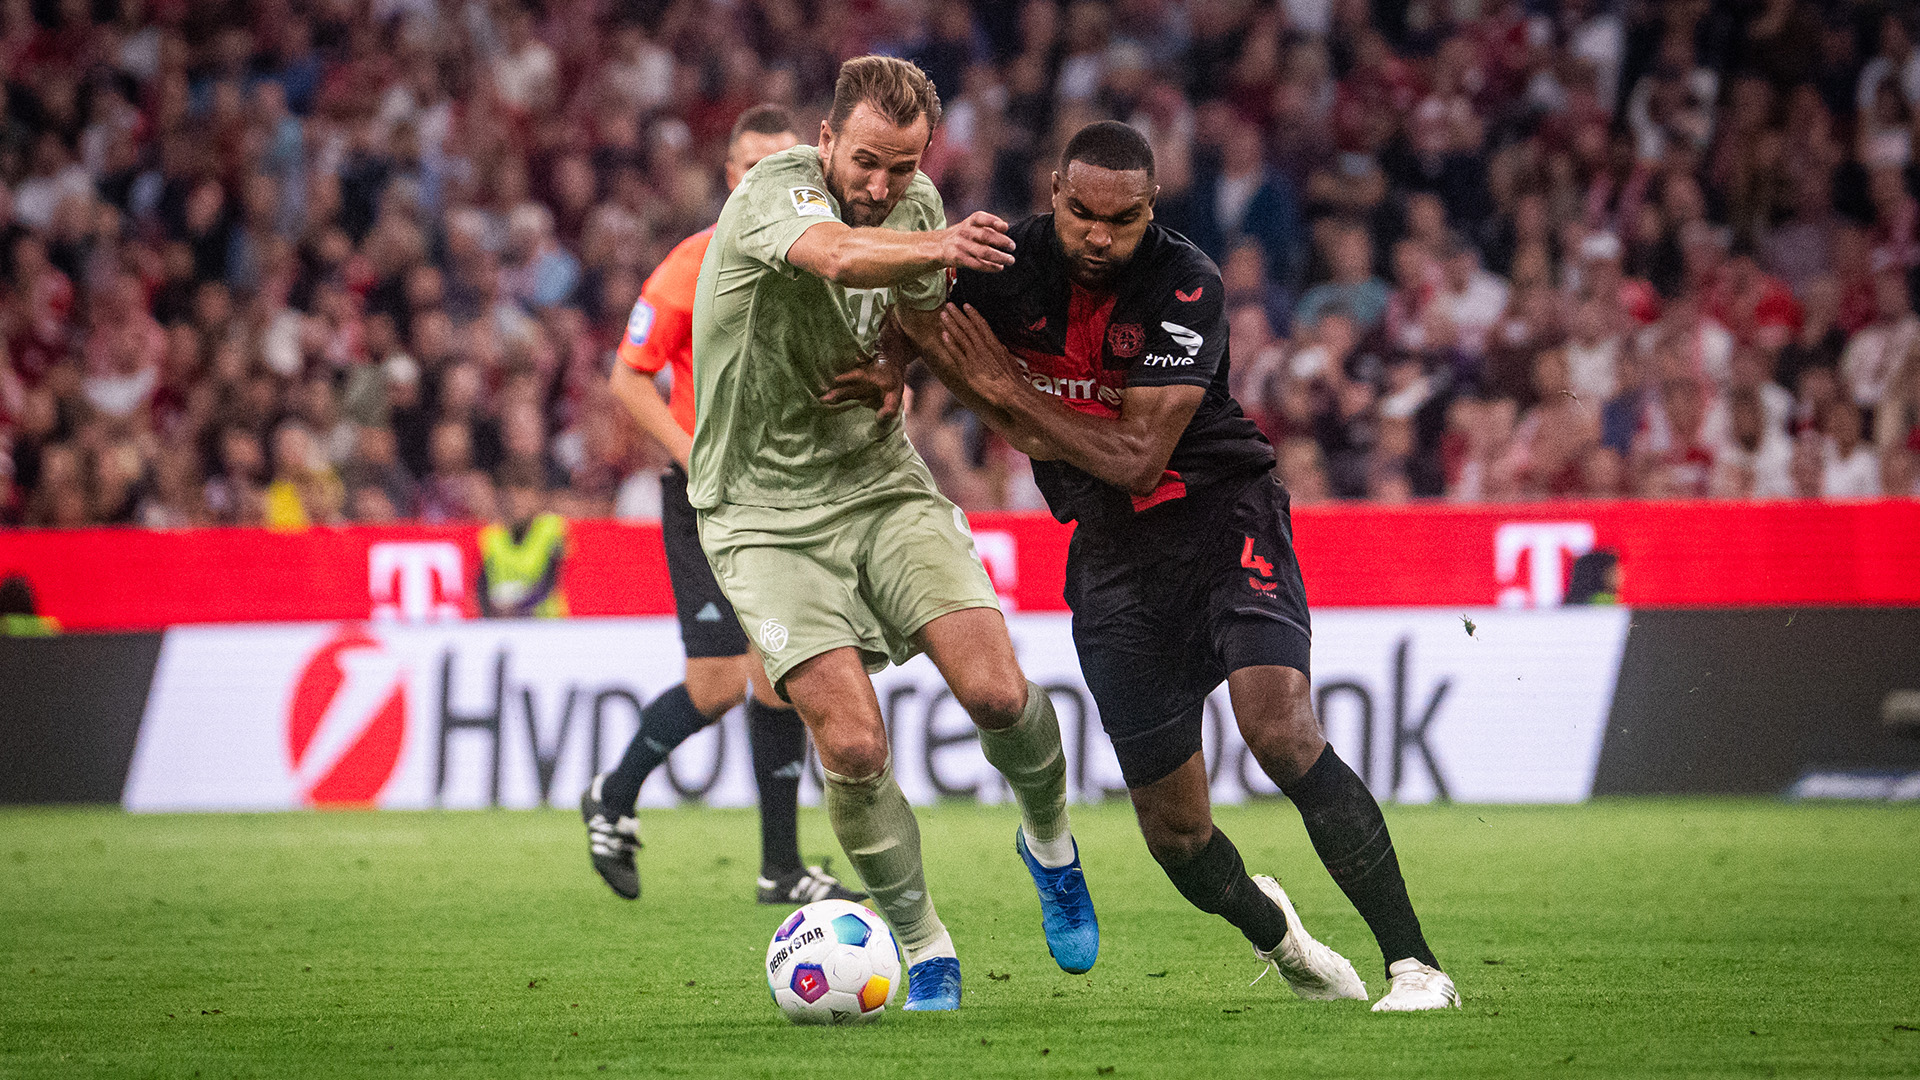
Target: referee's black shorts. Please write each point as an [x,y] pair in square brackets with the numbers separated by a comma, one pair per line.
[1162,614]
[708,626]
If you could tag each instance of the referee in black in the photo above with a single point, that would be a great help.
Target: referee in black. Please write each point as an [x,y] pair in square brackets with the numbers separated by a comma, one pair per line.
[1102,353]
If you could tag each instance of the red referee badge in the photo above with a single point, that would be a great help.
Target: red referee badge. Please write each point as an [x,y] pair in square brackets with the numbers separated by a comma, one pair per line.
[1126,339]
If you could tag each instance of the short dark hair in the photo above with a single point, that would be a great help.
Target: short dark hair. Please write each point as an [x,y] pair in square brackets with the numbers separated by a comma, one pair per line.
[897,89]
[1109,144]
[761,120]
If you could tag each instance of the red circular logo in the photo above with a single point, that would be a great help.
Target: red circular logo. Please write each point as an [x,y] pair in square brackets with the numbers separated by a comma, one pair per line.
[353,747]
[1125,339]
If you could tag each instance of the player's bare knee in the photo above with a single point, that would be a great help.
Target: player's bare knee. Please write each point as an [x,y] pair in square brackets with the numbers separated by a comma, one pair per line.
[994,704]
[856,758]
[1285,751]
[1281,731]
[1176,843]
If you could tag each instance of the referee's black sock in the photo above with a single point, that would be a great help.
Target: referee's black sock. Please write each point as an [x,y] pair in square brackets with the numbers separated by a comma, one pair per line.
[779,742]
[665,723]
[1350,836]
[1216,882]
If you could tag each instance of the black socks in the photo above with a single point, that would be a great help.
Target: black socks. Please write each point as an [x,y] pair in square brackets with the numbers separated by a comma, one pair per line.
[665,723]
[1216,882]
[1350,836]
[779,742]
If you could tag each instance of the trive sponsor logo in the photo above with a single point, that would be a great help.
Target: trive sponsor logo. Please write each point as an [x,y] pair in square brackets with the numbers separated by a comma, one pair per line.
[1164,360]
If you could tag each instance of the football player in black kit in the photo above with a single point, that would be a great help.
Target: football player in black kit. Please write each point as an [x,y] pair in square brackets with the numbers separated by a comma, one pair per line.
[1102,353]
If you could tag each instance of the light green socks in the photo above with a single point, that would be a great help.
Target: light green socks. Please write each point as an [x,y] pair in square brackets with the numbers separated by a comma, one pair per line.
[877,829]
[1028,754]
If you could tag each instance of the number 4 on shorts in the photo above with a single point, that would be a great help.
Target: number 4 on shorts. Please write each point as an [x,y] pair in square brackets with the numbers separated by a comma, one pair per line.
[1258,565]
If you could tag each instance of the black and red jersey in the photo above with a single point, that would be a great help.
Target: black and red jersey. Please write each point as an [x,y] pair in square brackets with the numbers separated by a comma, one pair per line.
[1164,324]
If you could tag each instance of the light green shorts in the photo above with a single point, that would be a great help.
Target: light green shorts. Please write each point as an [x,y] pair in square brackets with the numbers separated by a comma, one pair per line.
[867,571]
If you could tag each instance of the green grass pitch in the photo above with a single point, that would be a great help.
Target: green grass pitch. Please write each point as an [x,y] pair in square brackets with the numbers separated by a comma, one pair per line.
[1658,938]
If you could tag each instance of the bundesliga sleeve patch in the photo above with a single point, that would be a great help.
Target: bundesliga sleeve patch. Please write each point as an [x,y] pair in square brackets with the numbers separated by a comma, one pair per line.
[640,323]
[810,202]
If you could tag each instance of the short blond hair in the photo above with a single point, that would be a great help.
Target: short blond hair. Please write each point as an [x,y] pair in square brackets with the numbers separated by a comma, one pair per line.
[896,89]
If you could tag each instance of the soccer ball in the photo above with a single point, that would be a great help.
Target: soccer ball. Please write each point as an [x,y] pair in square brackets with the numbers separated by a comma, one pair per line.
[833,962]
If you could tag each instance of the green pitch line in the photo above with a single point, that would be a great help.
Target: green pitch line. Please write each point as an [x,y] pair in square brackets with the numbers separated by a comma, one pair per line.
[1666,938]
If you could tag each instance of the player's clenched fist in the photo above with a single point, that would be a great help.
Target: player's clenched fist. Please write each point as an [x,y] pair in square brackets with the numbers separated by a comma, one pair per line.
[978,243]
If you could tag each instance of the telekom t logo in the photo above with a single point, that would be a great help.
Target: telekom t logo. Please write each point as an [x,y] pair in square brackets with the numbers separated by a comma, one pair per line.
[415,581]
[1546,545]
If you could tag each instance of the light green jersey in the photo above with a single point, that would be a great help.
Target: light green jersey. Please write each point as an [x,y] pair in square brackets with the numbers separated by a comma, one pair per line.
[768,339]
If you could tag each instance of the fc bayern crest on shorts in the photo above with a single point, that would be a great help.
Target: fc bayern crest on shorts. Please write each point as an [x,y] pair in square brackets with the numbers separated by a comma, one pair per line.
[773,636]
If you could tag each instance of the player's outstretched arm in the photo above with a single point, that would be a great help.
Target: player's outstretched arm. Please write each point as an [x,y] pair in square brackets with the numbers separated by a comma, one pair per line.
[637,392]
[874,258]
[1130,451]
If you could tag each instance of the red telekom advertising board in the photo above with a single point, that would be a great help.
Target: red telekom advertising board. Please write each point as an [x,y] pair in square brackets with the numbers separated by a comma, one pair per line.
[1672,554]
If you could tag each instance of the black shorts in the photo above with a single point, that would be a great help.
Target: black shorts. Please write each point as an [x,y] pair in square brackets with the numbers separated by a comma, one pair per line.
[708,626]
[1163,612]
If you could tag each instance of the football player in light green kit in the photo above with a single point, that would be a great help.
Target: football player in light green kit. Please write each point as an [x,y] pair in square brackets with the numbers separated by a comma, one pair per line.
[822,523]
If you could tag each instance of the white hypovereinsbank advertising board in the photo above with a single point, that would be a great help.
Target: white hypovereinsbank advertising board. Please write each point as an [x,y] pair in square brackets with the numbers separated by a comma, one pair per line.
[522,713]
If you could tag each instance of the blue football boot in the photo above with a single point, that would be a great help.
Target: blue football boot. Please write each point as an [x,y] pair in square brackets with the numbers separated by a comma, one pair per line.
[933,985]
[1066,910]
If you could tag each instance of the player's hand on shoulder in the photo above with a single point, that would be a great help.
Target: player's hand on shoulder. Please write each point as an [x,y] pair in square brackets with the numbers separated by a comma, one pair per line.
[978,243]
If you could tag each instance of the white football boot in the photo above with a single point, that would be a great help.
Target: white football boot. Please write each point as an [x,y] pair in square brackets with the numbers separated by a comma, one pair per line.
[1415,987]
[1315,972]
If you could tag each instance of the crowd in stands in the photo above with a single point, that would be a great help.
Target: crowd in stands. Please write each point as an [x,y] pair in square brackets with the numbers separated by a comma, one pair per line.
[313,261]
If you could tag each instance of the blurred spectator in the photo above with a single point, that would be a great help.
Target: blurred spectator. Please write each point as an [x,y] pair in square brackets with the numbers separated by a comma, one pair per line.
[1877,351]
[1468,299]
[413,231]
[1671,107]
[304,490]
[1671,456]
[374,467]
[1549,448]
[454,490]
[1237,195]
[1753,460]
[1593,353]
[1352,288]
[1849,467]
[538,273]
[1820,341]
[1304,471]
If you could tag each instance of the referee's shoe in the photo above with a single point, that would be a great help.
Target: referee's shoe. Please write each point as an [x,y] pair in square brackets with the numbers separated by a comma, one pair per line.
[1066,909]
[612,838]
[804,885]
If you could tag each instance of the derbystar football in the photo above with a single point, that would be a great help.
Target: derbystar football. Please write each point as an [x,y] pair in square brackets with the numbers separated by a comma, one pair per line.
[833,962]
